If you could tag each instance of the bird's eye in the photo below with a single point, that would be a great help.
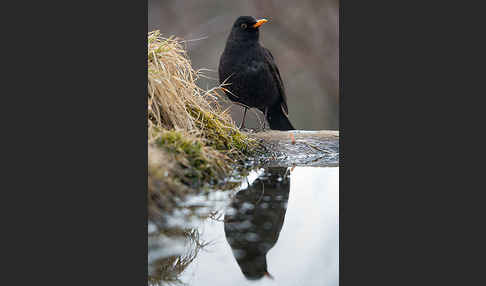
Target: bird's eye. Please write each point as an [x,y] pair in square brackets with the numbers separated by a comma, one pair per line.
[243,26]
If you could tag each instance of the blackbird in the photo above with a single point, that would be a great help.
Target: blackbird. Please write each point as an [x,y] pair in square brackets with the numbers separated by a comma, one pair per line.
[252,76]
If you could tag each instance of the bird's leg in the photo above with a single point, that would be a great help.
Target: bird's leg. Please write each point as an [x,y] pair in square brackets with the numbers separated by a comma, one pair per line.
[265,118]
[244,116]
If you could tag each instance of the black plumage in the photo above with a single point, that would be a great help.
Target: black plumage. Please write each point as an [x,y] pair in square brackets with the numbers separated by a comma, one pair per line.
[252,76]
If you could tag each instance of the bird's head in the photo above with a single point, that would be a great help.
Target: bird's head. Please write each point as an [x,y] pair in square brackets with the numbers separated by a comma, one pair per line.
[246,28]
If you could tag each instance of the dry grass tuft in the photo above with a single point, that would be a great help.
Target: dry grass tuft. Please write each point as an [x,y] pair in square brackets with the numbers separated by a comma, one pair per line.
[174,99]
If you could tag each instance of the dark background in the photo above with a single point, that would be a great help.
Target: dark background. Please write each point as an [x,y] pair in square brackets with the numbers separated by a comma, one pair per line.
[303,36]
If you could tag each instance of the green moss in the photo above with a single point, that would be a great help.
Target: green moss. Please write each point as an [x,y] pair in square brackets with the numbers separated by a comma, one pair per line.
[221,136]
[175,142]
[199,163]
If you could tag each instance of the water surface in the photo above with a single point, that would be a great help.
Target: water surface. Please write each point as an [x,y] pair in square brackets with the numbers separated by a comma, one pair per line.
[280,227]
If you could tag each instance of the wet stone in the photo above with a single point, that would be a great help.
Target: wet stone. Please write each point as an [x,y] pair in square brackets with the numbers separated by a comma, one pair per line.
[301,148]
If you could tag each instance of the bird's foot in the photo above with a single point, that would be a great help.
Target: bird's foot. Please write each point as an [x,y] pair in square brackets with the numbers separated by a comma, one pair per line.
[263,126]
[265,116]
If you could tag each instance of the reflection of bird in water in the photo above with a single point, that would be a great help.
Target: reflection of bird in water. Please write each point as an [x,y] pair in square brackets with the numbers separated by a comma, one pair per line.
[253,223]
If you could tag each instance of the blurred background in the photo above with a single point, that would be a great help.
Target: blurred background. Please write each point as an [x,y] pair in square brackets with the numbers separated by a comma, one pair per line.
[303,37]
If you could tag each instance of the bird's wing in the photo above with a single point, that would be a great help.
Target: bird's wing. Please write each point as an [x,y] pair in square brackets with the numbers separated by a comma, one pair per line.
[276,74]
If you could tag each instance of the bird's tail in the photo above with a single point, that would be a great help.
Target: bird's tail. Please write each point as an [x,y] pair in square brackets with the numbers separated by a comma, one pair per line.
[278,120]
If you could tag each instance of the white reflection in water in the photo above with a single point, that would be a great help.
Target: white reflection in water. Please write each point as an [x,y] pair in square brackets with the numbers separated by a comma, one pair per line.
[307,250]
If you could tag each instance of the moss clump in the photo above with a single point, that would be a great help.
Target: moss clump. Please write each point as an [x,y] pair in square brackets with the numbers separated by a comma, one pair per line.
[222,136]
[198,162]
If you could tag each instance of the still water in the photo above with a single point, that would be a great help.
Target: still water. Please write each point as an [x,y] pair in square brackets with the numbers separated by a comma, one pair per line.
[280,227]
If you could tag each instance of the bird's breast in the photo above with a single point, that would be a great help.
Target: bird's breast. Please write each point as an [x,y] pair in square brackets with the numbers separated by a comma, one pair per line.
[255,67]
[248,77]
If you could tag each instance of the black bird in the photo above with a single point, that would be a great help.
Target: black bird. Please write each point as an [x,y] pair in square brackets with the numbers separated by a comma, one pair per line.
[252,76]
[254,221]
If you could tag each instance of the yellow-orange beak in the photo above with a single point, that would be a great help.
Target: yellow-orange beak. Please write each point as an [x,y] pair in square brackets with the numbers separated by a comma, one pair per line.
[259,23]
